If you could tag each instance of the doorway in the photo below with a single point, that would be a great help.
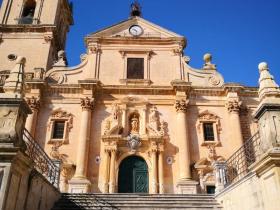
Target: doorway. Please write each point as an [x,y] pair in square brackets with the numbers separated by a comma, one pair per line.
[133,175]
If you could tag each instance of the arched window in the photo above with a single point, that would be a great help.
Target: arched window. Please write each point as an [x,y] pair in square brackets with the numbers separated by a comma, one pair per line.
[28,12]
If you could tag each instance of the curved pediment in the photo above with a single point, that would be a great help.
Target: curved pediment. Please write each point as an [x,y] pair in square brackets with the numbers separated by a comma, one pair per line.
[208,76]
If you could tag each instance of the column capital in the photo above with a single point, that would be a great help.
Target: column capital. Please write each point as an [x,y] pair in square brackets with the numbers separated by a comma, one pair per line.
[233,105]
[87,103]
[33,102]
[181,105]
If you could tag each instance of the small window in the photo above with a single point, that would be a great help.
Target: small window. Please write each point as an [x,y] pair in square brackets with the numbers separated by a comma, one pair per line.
[210,189]
[58,130]
[208,132]
[135,68]
[28,12]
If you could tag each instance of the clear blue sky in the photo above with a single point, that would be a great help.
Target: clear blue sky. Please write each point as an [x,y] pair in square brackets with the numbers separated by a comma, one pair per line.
[238,33]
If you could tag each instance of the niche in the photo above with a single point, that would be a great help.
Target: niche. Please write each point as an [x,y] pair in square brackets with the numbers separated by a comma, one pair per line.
[134,123]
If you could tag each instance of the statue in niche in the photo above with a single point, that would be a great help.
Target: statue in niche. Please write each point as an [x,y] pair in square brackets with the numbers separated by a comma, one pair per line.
[134,124]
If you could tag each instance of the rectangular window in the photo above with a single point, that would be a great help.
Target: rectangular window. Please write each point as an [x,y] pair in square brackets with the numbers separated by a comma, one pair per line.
[135,68]
[58,130]
[208,132]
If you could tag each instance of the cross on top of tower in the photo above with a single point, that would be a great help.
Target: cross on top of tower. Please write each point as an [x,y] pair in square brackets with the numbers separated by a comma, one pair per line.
[135,9]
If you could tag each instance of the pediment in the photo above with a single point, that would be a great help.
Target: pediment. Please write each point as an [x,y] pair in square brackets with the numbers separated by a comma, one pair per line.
[122,29]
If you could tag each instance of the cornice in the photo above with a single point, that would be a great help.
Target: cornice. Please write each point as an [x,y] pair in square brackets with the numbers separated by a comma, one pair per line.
[133,40]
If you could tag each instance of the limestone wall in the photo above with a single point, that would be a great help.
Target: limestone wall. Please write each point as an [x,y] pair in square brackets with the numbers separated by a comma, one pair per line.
[253,192]
[41,194]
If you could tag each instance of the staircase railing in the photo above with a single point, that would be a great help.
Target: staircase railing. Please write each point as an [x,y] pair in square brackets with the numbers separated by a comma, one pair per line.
[43,164]
[237,166]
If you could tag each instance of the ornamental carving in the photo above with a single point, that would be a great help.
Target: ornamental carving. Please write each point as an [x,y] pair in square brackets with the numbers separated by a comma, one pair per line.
[113,123]
[62,116]
[55,154]
[181,105]
[208,117]
[233,105]
[205,169]
[34,103]
[87,103]
[155,125]
[133,142]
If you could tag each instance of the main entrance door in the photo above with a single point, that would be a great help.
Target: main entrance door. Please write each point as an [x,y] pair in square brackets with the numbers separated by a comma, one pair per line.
[133,175]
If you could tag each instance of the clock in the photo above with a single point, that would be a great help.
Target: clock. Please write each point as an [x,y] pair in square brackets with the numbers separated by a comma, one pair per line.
[135,30]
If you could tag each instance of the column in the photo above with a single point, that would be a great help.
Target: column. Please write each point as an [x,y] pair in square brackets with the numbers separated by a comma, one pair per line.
[185,184]
[183,140]
[160,170]
[31,121]
[79,183]
[233,106]
[112,182]
[154,169]
[106,171]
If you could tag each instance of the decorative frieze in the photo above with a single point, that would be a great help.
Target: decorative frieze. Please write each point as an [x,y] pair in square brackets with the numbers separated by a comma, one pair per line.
[87,103]
[181,105]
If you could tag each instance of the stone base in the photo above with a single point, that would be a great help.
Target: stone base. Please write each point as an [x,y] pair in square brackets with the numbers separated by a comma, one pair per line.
[79,185]
[187,187]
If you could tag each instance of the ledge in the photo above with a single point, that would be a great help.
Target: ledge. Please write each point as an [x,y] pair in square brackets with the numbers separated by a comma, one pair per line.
[145,82]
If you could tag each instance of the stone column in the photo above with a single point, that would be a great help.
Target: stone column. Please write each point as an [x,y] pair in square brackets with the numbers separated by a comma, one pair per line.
[112,182]
[160,170]
[185,185]
[82,153]
[154,169]
[31,121]
[183,140]
[233,106]
[106,171]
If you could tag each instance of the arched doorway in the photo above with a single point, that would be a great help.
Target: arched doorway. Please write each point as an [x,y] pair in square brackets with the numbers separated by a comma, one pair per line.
[133,175]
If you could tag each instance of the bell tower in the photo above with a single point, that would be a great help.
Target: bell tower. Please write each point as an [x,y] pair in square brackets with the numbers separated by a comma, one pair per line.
[35,29]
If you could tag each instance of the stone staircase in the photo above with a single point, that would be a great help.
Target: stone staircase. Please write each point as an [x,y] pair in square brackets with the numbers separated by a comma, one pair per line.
[136,202]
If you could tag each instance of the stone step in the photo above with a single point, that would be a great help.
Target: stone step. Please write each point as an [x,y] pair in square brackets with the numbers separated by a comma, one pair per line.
[136,202]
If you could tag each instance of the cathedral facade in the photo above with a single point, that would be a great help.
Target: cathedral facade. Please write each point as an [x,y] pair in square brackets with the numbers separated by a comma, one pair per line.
[133,116]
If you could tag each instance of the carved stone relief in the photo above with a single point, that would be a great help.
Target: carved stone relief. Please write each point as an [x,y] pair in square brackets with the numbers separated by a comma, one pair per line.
[7,124]
[60,115]
[208,117]
[113,123]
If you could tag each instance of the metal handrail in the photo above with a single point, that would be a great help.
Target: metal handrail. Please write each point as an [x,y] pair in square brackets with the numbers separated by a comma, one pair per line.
[237,166]
[43,164]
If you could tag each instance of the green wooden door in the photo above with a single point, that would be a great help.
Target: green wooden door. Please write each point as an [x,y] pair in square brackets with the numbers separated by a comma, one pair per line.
[133,176]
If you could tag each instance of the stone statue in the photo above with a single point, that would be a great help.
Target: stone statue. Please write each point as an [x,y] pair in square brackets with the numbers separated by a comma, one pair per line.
[153,118]
[61,59]
[134,125]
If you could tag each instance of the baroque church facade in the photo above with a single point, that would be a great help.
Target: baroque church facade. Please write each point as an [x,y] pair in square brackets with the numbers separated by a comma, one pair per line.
[133,116]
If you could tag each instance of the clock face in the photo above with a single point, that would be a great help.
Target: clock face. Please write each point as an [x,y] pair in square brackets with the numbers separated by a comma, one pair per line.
[135,30]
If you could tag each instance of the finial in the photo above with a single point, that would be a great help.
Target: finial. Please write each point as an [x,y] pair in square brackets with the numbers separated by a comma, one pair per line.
[135,9]
[207,62]
[263,66]
[268,87]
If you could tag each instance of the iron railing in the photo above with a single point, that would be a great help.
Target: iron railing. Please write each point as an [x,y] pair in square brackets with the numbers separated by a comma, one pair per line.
[43,164]
[237,166]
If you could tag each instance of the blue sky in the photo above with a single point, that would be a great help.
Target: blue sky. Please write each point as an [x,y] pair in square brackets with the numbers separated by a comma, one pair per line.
[238,33]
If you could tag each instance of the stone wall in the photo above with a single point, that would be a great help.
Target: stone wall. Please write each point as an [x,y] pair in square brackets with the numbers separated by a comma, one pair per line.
[41,194]
[253,192]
